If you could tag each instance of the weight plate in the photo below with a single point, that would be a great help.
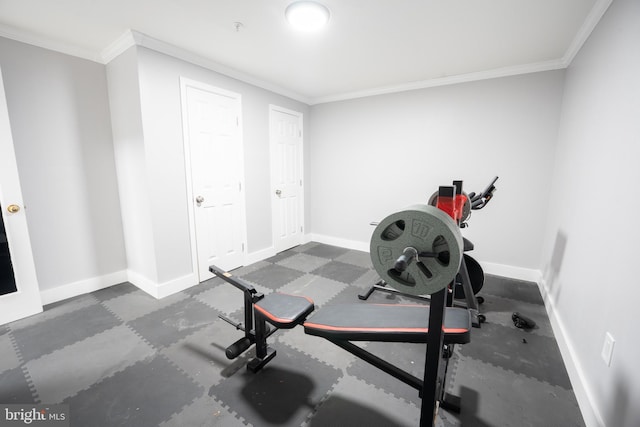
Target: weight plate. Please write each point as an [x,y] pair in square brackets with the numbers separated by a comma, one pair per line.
[427,229]
[466,208]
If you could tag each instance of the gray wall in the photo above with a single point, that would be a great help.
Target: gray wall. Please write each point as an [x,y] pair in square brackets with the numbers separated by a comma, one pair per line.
[61,128]
[373,156]
[130,155]
[159,76]
[592,240]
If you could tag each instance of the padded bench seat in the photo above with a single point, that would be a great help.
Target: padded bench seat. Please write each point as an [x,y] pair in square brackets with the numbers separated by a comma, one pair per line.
[386,322]
[284,311]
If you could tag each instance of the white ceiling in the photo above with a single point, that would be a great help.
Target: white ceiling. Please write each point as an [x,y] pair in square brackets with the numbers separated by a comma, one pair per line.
[369,46]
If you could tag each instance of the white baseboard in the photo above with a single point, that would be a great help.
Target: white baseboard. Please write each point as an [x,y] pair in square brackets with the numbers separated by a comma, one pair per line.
[81,287]
[584,396]
[161,290]
[343,243]
[156,290]
[519,273]
[260,255]
[143,283]
[176,285]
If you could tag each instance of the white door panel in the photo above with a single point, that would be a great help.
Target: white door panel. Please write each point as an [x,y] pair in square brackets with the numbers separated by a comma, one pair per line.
[286,177]
[22,297]
[213,135]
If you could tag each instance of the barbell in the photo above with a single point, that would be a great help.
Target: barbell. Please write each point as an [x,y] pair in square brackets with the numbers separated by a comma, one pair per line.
[418,250]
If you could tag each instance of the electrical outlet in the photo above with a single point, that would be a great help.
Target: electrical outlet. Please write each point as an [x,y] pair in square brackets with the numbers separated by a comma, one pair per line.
[607,348]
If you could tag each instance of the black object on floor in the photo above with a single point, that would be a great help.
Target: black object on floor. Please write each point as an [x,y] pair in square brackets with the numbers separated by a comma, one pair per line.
[522,322]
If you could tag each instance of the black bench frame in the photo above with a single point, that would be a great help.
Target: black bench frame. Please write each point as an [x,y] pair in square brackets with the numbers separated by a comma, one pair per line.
[256,329]
[430,387]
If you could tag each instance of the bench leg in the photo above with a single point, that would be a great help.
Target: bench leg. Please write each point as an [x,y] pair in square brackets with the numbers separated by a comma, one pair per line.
[264,353]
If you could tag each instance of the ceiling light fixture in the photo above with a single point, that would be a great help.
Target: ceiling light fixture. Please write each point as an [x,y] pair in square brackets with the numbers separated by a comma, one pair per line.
[307,15]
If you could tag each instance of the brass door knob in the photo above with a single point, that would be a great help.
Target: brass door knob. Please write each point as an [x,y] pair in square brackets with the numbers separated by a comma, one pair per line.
[13,208]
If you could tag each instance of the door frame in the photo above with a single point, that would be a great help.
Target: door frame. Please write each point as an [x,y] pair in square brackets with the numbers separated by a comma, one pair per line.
[275,108]
[185,83]
[26,301]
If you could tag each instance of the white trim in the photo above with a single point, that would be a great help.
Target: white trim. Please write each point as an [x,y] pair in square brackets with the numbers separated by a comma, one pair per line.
[24,36]
[81,287]
[597,12]
[306,238]
[445,81]
[285,110]
[176,285]
[117,47]
[142,283]
[577,376]
[148,42]
[187,160]
[260,255]
[336,241]
[243,184]
[512,272]
[161,290]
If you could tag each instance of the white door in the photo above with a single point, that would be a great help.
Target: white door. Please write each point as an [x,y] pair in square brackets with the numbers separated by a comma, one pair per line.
[20,296]
[286,177]
[213,142]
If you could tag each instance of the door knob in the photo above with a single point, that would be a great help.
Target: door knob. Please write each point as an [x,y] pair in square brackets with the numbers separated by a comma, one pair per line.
[199,199]
[278,192]
[13,208]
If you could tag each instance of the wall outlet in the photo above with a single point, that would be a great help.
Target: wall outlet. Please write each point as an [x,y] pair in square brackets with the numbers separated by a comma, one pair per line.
[607,348]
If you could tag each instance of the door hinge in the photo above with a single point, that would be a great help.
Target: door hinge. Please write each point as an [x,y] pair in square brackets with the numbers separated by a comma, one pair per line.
[243,247]
[300,183]
[237,121]
[239,186]
[300,133]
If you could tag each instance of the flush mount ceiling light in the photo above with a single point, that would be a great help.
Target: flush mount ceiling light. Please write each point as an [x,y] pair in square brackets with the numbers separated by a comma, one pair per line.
[307,15]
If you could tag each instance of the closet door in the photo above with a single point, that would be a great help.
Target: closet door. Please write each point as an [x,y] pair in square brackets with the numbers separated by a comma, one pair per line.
[19,291]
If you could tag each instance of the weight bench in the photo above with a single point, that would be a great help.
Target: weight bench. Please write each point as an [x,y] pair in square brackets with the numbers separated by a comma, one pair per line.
[418,250]
[343,323]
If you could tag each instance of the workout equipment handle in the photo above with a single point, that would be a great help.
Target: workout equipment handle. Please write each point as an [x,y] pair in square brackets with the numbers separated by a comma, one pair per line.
[235,281]
[404,260]
[479,201]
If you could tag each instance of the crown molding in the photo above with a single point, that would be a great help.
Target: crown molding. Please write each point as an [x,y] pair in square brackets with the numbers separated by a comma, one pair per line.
[445,81]
[597,12]
[134,38]
[151,43]
[27,37]
[117,47]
